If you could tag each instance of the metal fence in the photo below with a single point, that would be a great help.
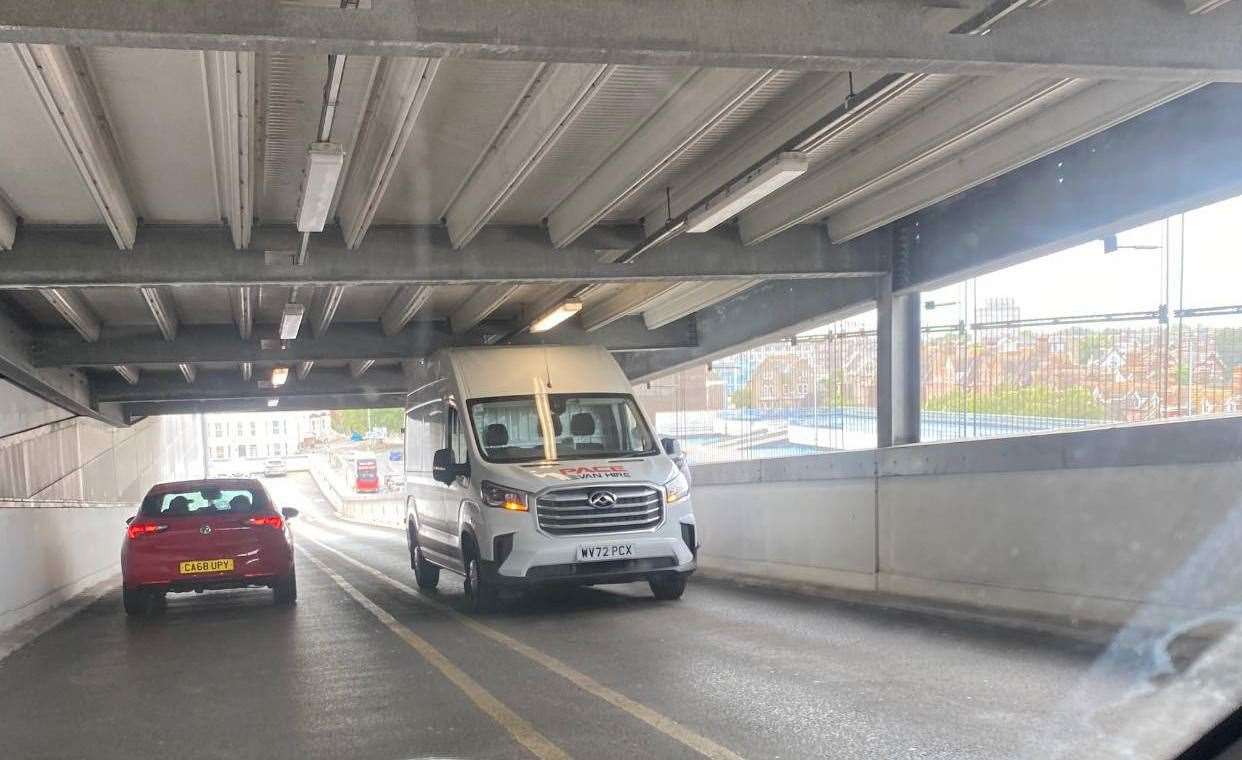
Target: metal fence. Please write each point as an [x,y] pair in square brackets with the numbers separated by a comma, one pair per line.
[988,370]
[805,396]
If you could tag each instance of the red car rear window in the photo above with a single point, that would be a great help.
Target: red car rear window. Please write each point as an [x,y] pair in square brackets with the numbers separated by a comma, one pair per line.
[203,501]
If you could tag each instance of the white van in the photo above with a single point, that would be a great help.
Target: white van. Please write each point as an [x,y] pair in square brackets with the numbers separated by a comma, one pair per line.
[534,465]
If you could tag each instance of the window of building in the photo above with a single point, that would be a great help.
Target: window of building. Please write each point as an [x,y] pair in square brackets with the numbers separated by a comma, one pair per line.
[276,427]
[219,429]
[254,450]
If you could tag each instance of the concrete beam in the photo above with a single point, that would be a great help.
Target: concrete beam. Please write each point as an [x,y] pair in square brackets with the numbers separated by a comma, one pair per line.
[397,97]
[1100,39]
[767,312]
[960,116]
[199,344]
[220,384]
[8,225]
[1180,156]
[628,300]
[67,389]
[74,310]
[188,371]
[128,372]
[135,410]
[61,79]
[242,303]
[323,308]
[1198,7]
[551,102]
[708,96]
[163,310]
[1087,112]
[52,257]
[688,297]
[359,367]
[480,305]
[404,306]
[230,81]
[247,370]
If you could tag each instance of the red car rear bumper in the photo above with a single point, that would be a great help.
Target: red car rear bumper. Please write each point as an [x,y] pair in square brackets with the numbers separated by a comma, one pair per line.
[140,571]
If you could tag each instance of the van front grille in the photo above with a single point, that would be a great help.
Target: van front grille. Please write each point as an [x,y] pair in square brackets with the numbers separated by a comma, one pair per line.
[571,511]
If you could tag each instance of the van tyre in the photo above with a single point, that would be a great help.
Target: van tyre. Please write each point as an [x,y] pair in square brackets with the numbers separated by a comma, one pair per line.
[667,587]
[285,590]
[480,596]
[426,574]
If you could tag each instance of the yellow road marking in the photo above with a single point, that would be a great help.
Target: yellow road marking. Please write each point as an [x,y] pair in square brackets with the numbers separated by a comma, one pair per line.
[651,717]
[524,732]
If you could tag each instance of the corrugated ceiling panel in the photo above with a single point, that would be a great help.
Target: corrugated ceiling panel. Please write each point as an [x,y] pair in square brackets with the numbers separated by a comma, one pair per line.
[36,175]
[156,106]
[620,106]
[718,134]
[468,102]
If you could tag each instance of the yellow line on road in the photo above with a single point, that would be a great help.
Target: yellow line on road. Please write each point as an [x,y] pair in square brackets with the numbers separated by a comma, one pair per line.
[524,732]
[651,717]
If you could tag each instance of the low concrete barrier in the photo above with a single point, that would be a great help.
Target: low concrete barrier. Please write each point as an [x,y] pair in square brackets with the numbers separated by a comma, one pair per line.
[1090,524]
[387,509]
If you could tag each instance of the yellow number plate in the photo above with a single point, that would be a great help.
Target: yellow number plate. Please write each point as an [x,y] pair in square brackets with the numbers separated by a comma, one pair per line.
[207,566]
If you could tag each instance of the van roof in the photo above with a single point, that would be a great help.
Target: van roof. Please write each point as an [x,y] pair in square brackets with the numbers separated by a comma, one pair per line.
[489,371]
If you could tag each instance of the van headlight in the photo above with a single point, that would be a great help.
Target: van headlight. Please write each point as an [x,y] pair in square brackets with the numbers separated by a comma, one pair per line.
[504,497]
[676,489]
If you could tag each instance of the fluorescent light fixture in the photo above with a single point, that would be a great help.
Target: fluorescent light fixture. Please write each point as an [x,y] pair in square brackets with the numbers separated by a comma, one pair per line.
[751,189]
[291,320]
[273,402]
[323,169]
[559,314]
[279,376]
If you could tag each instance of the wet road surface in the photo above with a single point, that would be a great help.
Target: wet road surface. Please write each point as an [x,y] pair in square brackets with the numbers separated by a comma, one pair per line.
[364,667]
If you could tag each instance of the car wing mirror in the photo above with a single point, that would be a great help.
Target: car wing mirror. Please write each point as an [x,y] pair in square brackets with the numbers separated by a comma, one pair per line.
[289,512]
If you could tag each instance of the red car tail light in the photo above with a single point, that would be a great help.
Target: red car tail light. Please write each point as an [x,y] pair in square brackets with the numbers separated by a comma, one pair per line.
[273,521]
[137,530]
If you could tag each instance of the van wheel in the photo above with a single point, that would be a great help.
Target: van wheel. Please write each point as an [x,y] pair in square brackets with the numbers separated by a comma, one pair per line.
[426,574]
[667,587]
[480,596]
[285,590]
[134,601]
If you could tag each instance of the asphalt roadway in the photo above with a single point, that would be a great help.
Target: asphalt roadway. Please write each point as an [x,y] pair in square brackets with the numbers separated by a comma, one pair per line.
[364,667]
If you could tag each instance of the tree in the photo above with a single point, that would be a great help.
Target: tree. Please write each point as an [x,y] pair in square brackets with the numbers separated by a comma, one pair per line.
[348,421]
[741,398]
[1033,401]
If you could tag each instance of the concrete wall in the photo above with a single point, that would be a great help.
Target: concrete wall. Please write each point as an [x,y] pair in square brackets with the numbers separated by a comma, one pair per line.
[1091,524]
[66,487]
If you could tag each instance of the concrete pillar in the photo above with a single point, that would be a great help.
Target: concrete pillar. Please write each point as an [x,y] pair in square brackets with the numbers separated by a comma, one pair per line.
[898,388]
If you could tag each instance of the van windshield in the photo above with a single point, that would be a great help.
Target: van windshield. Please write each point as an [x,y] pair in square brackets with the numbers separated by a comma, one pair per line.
[578,426]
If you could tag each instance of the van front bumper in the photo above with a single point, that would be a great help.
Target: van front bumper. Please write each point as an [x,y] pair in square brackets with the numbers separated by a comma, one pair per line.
[529,557]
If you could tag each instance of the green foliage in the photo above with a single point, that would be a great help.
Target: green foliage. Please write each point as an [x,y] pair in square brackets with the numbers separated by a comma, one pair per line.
[832,390]
[1229,346]
[741,398]
[1033,401]
[355,420]
[1093,345]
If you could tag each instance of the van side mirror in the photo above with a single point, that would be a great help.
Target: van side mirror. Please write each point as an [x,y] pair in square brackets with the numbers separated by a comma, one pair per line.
[289,512]
[444,469]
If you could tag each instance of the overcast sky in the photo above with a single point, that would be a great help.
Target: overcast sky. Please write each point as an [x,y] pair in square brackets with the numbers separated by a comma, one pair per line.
[1085,280]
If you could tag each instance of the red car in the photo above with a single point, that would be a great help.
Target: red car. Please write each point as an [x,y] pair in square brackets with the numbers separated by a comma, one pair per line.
[197,535]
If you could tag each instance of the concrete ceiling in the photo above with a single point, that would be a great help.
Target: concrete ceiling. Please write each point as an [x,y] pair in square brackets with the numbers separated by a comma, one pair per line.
[543,169]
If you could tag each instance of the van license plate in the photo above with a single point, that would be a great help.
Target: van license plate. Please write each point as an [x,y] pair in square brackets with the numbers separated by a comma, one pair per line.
[601,552]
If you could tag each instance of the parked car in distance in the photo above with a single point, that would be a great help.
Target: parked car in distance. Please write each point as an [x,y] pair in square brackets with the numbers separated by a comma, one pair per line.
[274,468]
